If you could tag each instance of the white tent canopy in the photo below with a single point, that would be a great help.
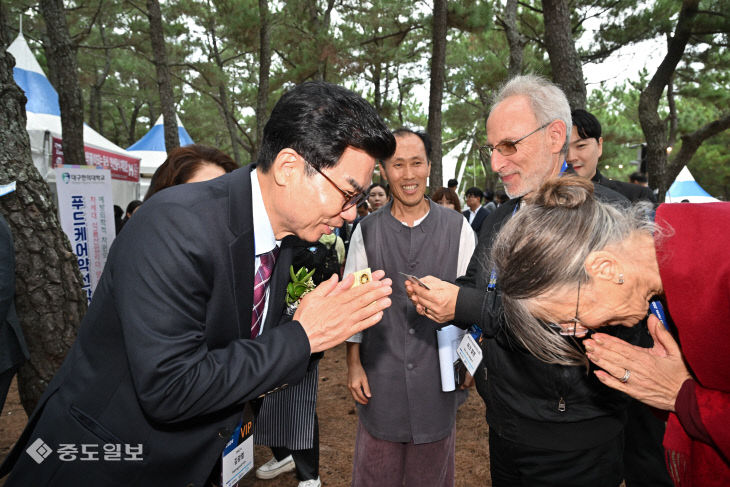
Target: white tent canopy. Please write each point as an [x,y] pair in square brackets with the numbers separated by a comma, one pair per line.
[686,188]
[44,129]
[152,151]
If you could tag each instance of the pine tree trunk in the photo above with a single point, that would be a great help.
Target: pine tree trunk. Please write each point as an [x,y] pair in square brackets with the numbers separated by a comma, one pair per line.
[61,57]
[438,76]
[167,99]
[515,40]
[262,97]
[49,298]
[655,130]
[564,61]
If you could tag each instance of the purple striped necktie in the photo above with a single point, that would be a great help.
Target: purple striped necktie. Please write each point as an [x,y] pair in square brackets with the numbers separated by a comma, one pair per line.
[260,282]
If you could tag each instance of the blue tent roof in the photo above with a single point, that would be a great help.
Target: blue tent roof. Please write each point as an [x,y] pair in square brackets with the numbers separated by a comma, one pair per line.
[154,140]
[28,74]
[686,188]
[681,189]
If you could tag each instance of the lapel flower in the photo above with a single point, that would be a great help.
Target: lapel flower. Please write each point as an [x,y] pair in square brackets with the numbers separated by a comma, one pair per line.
[301,283]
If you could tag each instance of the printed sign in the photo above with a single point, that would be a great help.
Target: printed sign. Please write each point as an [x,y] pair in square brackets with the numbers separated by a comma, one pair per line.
[86,211]
[122,167]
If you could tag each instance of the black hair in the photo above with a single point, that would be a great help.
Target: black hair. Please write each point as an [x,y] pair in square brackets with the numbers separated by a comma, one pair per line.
[133,205]
[587,125]
[452,183]
[638,177]
[400,132]
[488,195]
[320,120]
[375,185]
[474,191]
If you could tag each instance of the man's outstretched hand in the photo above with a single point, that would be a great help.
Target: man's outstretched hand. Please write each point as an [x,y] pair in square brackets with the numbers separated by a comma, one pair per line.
[333,312]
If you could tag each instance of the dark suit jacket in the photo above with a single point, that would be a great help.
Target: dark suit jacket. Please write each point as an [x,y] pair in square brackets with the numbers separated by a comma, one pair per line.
[633,192]
[163,356]
[479,218]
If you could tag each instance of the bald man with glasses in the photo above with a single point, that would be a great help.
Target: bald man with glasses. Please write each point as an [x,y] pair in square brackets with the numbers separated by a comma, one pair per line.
[549,424]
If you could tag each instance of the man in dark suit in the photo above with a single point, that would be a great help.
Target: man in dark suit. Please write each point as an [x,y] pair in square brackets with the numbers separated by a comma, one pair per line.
[475,213]
[165,359]
[586,147]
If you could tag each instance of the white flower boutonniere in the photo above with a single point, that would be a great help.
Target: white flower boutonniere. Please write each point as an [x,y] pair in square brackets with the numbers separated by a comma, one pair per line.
[301,283]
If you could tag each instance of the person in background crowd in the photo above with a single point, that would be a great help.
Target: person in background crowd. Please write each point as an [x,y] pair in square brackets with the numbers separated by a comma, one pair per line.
[475,213]
[453,185]
[490,205]
[638,178]
[118,218]
[190,164]
[595,267]
[586,147]
[132,207]
[377,196]
[13,350]
[447,197]
[406,423]
[169,354]
[644,464]
[548,425]
[500,197]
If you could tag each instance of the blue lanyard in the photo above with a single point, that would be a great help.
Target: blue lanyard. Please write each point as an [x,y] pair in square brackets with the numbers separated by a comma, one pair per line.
[656,308]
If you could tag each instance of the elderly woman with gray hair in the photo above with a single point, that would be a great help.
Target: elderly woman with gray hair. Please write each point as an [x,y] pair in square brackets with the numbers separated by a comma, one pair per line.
[586,264]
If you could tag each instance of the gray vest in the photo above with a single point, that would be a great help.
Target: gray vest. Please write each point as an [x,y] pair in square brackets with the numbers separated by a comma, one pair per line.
[400,354]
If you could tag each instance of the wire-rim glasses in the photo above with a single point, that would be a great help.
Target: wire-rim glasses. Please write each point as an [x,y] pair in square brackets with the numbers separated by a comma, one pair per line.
[507,147]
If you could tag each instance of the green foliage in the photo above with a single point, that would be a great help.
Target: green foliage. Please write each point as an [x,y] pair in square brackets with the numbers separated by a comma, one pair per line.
[381,49]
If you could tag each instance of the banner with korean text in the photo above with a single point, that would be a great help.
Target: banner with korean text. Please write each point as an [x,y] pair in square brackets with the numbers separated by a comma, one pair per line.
[86,210]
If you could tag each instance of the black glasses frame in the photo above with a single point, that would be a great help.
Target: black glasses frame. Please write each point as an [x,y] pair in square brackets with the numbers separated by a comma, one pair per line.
[352,198]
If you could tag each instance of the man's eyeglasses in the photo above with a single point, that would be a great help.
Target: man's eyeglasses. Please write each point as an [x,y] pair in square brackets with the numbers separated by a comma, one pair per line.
[576,327]
[351,198]
[507,147]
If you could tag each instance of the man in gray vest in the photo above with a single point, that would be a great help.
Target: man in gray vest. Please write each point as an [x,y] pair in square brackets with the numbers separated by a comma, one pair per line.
[406,423]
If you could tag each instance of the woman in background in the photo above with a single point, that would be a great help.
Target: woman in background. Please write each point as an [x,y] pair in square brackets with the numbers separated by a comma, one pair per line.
[377,196]
[190,164]
[446,197]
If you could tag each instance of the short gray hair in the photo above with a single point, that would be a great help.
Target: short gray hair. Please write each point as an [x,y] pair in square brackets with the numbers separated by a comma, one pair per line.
[544,247]
[547,100]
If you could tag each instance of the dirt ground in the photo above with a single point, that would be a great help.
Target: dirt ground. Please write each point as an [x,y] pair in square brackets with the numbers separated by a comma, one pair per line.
[338,422]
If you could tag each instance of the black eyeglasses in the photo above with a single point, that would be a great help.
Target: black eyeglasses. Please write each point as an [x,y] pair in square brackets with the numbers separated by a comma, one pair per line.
[352,198]
[575,322]
[507,147]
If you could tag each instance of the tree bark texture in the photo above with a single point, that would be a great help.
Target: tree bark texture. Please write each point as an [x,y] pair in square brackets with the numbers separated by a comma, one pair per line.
[262,96]
[436,95]
[61,57]
[564,61]
[49,298]
[167,99]
[515,39]
[654,128]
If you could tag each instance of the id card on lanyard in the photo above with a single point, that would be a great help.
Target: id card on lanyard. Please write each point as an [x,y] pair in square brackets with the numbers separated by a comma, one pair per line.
[237,458]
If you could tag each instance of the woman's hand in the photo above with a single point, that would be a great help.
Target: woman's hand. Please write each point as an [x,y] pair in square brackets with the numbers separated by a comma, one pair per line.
[654,376]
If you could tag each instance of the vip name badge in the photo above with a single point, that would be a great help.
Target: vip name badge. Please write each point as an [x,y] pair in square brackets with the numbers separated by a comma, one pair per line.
[238,453]
[470,353]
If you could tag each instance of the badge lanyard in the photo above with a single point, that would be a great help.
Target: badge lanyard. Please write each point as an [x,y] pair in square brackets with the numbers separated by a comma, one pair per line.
[656,308]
